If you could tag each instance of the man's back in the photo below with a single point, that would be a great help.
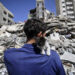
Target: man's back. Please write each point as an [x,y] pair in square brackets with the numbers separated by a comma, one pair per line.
[25,61]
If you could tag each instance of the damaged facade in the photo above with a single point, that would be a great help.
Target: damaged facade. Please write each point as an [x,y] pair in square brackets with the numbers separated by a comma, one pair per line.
[66,8]
[40,12]
[5,16]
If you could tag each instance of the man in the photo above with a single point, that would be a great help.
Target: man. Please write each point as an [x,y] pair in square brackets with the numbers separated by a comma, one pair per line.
[28,60]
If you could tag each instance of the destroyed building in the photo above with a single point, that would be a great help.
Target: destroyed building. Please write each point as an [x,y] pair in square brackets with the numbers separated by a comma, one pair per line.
[40,12]
[5,16]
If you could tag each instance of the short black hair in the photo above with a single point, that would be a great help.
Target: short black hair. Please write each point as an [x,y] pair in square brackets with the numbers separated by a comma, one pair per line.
[33,26]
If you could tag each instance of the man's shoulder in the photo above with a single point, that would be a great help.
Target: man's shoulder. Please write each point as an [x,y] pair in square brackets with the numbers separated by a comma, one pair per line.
[54,54]
[12,53]
[10,50]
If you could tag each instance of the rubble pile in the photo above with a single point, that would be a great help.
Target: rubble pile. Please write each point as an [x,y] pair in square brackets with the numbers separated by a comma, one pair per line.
[10,37]
[65,46]
[13,36]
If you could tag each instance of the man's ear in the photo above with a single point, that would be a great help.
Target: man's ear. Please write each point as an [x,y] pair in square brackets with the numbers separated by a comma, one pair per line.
[44,34]
[39,34]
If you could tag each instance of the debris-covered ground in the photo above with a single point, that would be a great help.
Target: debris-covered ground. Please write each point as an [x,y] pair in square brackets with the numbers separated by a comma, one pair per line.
[13,36]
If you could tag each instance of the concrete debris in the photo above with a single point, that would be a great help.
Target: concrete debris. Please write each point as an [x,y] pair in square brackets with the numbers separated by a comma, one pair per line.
[15,28]
[68,57]
[63,41]
[3,28]
[3,70]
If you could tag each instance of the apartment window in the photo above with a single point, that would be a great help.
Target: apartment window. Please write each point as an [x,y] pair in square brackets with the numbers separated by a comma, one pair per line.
[69,0]
[9,22]
[43,8]
[70,10]
[63,2]
[37,4]
[69,7]
[10,16]
[5,12]
[69,4]
[4,19]
[64,11]
[70,14]
[63,6]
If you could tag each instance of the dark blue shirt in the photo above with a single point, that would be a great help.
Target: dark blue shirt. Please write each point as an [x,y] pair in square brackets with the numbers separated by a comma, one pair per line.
[28,61]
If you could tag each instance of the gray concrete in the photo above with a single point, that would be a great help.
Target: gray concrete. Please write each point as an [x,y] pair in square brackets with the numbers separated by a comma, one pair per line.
[69,57]
[40,8]
[66,8]
[5,15]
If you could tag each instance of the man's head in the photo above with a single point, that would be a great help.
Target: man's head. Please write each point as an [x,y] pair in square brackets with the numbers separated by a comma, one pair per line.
[34,28]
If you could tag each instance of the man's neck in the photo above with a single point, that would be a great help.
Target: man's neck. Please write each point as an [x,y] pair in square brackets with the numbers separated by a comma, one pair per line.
[31,41]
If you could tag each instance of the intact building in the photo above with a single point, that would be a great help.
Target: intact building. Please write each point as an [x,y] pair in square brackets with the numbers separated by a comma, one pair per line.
[66,8]
[5,15]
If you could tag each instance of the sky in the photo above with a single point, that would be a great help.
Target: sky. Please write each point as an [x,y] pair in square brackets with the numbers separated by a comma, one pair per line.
[21,8]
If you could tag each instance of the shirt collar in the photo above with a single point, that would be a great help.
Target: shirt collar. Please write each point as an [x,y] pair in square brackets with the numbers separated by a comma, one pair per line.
[32,48]
[27,46]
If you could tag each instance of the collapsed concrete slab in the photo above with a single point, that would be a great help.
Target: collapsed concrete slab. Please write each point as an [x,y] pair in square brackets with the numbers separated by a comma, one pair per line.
[68,57]
[15,28]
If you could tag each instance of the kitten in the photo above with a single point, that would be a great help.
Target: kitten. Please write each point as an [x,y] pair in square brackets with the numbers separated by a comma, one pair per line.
[46,48]
[43,44]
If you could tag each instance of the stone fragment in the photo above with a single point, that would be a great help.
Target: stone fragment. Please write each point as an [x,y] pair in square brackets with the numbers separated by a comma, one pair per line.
[15,28]
[3,28]
[68,57]
[2,49]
